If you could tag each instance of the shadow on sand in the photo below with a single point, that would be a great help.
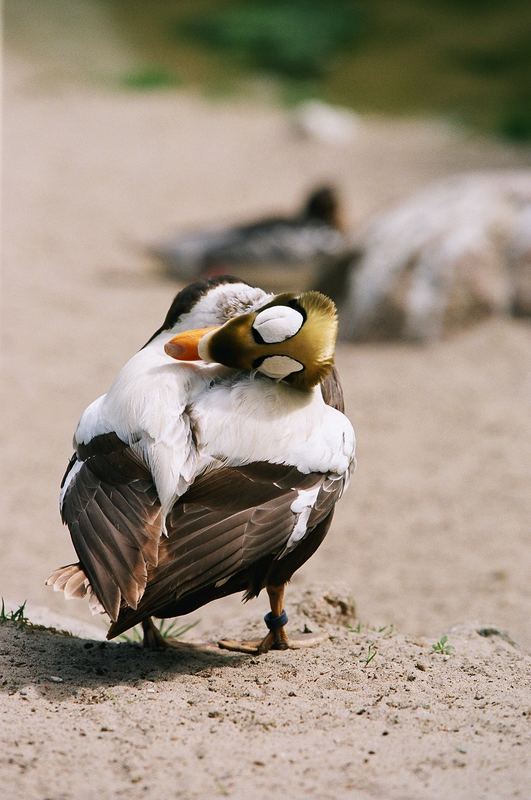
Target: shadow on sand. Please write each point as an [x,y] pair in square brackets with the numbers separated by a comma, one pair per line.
[58,665]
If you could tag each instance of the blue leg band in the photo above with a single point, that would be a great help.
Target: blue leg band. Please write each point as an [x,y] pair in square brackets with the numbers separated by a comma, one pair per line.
[275,622]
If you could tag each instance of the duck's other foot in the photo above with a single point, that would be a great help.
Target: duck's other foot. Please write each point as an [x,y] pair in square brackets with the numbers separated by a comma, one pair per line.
[153,640]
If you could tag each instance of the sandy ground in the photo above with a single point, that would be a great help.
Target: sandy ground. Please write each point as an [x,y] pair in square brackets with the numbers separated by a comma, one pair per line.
[432,537]
[92,720]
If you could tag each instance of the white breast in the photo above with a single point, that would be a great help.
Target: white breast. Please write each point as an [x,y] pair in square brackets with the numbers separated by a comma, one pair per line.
[259,420]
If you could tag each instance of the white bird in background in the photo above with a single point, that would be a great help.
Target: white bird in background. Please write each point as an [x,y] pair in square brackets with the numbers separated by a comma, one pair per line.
[213,464]
[452,254]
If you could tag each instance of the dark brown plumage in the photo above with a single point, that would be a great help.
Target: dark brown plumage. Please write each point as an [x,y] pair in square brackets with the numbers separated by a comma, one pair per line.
[214,535]
[113,513]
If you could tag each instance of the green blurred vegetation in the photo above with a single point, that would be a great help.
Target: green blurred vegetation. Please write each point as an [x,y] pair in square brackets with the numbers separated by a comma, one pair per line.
[150,78]
[468,61]
[290,38]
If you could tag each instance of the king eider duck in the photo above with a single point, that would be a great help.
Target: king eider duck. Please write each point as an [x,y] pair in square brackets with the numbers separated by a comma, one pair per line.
[311,235]
[212,465]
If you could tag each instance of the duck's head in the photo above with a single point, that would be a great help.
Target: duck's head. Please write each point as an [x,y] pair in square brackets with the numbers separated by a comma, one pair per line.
[322,205]
[291,338]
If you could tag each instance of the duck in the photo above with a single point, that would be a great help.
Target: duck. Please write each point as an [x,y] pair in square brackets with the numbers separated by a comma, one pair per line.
[313,233]
[212,465]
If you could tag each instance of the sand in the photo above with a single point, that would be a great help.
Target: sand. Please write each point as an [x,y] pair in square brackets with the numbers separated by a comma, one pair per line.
[432,537]
[92,720]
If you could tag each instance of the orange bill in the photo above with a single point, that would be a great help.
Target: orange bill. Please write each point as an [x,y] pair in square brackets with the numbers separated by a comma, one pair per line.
[184,345]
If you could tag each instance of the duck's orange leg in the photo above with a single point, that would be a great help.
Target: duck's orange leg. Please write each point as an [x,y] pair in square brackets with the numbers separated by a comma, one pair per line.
[277,638]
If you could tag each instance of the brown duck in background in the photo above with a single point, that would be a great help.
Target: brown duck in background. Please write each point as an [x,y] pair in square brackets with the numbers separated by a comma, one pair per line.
[278,251]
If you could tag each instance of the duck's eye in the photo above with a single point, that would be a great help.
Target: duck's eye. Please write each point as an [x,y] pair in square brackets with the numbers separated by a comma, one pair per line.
[276,324]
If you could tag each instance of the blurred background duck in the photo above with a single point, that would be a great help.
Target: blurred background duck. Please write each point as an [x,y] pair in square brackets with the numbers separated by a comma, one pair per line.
[261,250]
[213,464]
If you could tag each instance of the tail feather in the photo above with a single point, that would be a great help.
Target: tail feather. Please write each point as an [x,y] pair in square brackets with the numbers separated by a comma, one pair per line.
[74,583]
[60,577]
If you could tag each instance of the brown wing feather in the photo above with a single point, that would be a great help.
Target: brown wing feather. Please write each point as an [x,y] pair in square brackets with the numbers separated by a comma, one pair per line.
[229,520]
[333,391]
[113,512]
[331,490]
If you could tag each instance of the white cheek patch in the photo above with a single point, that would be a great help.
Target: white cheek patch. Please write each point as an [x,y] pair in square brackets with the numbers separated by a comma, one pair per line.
[278,323]
[279,366]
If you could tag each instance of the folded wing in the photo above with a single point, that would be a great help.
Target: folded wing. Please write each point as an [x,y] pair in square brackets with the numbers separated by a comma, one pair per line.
[233,521]
[111,507]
